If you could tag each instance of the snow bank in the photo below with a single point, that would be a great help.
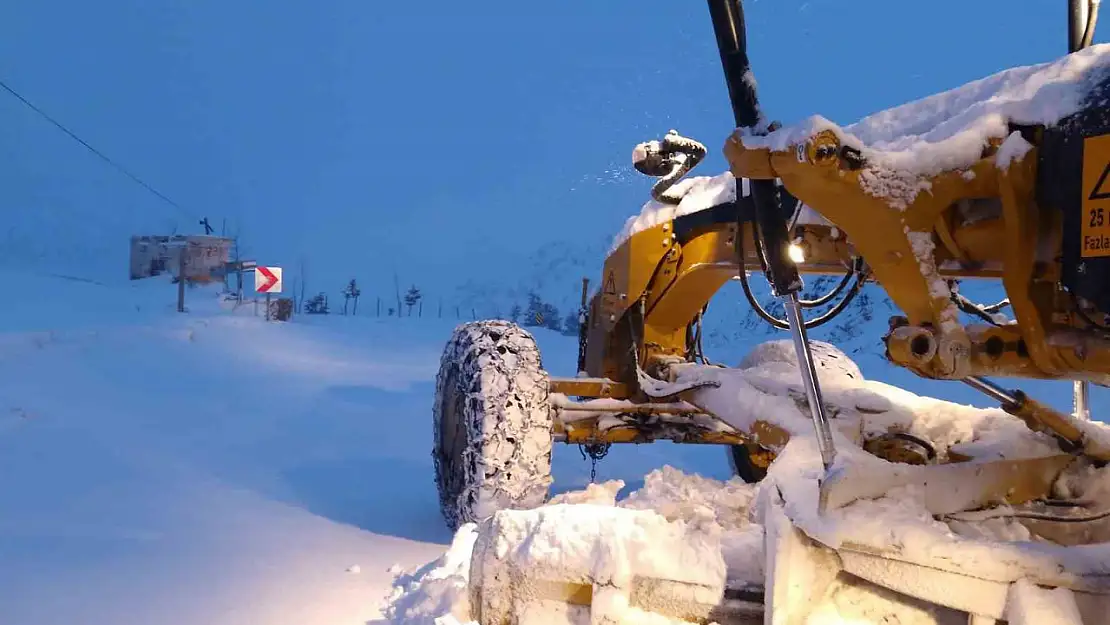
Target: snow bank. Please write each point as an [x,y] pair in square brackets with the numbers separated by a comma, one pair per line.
[437,594]
[948,131]
[724,507]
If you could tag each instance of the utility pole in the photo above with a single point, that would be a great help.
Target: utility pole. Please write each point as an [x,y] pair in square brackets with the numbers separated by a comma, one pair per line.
[304,281]
[223,234]
[397,289]
[181,280]
[238,270]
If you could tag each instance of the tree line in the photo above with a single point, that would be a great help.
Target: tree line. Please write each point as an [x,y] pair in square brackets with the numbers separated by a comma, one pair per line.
[406,305]
[535,311]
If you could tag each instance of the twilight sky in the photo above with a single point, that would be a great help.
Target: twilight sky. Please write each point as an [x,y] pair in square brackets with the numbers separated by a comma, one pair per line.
[439,139]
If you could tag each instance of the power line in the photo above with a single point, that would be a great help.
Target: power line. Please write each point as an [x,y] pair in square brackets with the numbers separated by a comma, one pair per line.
[95,151]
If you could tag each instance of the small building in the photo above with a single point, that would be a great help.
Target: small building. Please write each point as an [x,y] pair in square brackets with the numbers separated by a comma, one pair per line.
[205,257]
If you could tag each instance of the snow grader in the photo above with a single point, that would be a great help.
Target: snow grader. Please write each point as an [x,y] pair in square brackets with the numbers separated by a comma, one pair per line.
[1006,179]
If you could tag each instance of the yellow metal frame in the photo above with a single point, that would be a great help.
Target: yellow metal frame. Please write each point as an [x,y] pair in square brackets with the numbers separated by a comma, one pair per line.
[1020,244]
[1014,241]
[657,281]
[675,281]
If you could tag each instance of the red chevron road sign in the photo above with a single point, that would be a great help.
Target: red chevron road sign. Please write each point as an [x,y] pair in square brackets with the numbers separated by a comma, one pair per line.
[267,279]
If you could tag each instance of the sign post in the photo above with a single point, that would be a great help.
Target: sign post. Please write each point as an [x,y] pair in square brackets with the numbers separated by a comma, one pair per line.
[267,280]
[181,283]
[238,267]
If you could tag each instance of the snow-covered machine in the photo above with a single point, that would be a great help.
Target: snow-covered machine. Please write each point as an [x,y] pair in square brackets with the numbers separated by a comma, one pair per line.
[925,512]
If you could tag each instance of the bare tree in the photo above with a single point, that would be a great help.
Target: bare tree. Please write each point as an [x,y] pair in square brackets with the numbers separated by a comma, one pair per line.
[412,298]
[351,292]
[397,289]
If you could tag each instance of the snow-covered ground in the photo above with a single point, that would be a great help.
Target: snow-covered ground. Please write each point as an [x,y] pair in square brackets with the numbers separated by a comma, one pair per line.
[204,468]
[212,468]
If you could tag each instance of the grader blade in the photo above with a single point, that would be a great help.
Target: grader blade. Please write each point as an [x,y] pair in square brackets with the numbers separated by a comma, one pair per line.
[947,488]
[616,566]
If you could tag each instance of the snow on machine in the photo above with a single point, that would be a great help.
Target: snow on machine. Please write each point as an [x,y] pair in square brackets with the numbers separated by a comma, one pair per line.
[909,509]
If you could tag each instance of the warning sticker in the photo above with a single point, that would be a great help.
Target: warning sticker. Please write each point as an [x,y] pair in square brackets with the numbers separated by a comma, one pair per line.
[1095,226]
[610,284]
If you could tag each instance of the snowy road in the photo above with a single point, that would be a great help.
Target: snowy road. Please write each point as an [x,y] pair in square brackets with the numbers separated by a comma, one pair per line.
[210,472]
[172,469]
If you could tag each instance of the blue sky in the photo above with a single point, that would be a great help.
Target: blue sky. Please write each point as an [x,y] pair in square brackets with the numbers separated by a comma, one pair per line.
[441,139]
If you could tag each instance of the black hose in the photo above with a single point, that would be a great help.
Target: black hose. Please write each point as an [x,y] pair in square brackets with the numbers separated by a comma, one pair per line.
[782,324]
[669,160]
[827,297]
[804,303]
[695,348]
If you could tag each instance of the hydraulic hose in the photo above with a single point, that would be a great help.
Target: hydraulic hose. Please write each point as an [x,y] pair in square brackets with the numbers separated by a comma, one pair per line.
[783,324]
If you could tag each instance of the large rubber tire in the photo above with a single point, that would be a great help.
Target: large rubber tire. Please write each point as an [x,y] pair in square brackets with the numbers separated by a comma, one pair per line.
[830,362]
[492,423]
[740,459]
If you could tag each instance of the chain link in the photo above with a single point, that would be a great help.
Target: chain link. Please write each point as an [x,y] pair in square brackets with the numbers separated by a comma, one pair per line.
[595,452]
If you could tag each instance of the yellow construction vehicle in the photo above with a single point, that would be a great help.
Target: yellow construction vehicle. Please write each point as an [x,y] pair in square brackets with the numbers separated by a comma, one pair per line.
[1027,210]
